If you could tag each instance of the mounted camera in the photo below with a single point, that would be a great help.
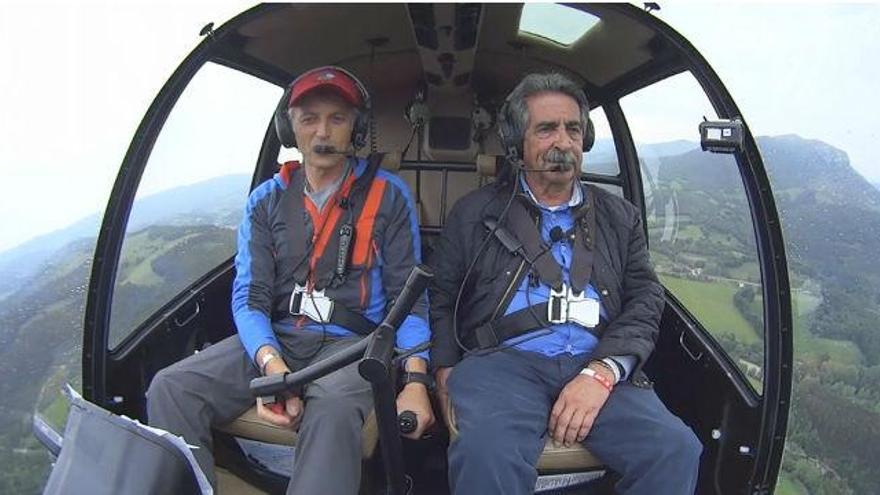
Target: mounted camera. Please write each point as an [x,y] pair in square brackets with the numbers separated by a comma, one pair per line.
[722,136]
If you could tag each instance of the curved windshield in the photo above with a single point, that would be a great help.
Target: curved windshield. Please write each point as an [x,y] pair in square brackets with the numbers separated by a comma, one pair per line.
[699,224]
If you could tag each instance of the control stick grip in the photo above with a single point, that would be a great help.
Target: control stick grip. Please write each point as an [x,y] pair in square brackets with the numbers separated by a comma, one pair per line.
[408,422]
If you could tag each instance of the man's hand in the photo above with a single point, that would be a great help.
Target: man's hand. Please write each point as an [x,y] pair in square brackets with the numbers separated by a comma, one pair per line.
[577,406]
[284,413]
[414,397]
[440,377]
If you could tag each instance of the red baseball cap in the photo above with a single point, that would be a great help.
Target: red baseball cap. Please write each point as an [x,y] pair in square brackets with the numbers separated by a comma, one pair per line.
[327,77]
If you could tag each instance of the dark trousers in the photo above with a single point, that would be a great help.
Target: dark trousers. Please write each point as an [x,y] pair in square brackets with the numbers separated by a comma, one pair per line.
[211,388]
[502,404]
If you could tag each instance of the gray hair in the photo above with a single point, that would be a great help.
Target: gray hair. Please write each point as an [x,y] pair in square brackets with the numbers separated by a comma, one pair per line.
[514,115]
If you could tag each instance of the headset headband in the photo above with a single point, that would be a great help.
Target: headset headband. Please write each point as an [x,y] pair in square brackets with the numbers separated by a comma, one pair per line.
[512,143]
[344,82]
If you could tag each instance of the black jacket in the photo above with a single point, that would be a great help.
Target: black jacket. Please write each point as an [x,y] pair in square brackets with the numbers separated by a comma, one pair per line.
[622,274]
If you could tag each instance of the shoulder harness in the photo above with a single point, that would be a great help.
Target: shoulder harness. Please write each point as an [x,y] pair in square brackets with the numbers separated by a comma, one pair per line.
[338,244]
[523,239]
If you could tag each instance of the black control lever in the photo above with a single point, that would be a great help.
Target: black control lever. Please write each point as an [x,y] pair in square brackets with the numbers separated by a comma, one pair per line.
[272,385]
[377,358]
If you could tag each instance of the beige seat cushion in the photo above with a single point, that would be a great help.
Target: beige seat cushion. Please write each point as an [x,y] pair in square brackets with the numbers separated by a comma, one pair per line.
[487,165]
[391,161]
[553,459]
[250,426]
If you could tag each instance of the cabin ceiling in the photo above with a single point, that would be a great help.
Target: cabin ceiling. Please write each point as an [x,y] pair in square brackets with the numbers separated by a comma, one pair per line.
[379,43]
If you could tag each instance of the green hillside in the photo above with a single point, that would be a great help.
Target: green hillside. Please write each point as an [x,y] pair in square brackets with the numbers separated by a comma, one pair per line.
[712,303]
[703,247]
[158,263]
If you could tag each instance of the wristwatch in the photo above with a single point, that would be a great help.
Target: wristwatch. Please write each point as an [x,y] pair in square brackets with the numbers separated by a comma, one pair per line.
[417,377]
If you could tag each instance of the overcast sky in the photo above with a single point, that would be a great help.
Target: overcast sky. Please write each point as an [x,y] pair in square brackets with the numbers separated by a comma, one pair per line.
[76,79]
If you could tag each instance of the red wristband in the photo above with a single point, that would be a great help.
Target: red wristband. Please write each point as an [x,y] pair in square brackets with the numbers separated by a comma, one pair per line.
[599,378]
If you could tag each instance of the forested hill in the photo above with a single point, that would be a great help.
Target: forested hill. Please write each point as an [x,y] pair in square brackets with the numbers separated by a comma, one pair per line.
[831,223]
[830,218]
[806,165]
[41,316]
[211,202]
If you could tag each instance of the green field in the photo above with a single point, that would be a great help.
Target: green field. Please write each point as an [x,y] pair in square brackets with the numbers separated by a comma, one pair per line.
[712,304]
[140,250]
[789,486]
[806,344]
[747,271]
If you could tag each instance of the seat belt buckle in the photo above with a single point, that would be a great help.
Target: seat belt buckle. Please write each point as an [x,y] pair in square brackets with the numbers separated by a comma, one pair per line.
[583,310]
[312,304]
[557,305]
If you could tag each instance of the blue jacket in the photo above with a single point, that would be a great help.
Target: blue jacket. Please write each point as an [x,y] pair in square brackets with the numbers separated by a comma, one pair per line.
[386,247]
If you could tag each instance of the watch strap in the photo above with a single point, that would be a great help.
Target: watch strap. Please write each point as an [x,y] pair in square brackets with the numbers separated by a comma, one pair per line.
[417,377]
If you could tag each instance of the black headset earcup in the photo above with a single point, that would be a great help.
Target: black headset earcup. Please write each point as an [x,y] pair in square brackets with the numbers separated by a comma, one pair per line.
[589,135]
[283,127]
[361,127]
[506,133]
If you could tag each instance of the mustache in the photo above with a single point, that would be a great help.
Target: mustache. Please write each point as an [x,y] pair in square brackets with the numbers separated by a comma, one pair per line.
[563,160]
[327,149]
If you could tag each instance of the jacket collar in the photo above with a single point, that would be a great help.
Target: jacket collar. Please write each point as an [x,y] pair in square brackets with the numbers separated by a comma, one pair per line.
[576,201]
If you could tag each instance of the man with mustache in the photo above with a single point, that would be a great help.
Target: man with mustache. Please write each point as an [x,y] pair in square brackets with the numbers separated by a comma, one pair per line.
[293,302]
[544,310]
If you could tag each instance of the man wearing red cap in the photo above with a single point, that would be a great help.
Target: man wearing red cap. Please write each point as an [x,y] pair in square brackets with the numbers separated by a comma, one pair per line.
[294,303]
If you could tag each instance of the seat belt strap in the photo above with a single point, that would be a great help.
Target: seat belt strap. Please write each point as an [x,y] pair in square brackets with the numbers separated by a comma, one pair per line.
[493,333]
[332,262]
[524,239]
[583,249]
[341,316]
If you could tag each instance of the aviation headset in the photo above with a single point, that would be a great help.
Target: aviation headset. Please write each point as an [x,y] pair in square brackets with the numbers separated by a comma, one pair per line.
[512,137]
[284,127]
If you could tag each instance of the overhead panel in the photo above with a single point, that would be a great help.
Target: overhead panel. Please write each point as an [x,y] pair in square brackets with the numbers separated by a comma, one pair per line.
[447,38]
[360,37]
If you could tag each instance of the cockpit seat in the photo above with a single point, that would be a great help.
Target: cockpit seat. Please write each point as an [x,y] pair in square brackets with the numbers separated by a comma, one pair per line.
[554,459]
[487,165]
[250,426]
[391,161]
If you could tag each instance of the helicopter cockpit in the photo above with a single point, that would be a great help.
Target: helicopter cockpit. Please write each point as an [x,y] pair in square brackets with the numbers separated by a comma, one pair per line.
[437,74]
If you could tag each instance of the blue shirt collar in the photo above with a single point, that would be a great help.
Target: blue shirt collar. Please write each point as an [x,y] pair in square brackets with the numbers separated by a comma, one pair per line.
[576,198]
